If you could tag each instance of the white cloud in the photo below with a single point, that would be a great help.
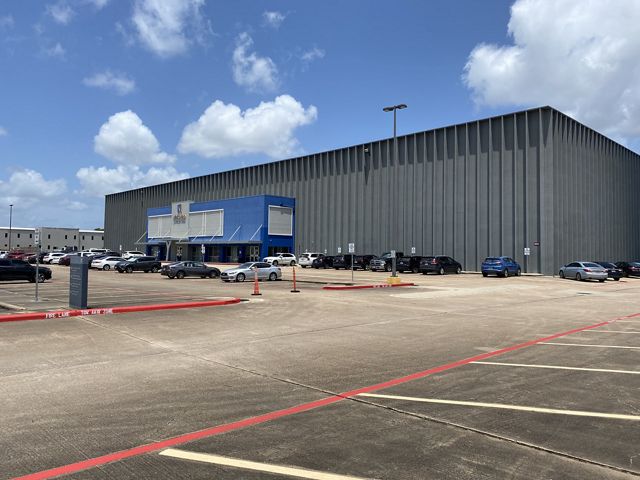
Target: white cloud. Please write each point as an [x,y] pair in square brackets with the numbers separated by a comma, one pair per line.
[314,54]
[57,51]
[250,70]
[61,12]
[581,57]
[125,139]
[273,19]
[6,21]
[27,188]
[3,131]
[108,80]
[225,130]
[168,27]
[98,4]
[99,181]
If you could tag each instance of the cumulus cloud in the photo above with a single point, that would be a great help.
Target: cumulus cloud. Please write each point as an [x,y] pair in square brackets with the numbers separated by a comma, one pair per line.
[273,19]
[225,130]
[6,21]
[108,80]
[100,181]
[125,139]
[310,55]
[250,70]
[61,12]
[581,57]
[57,51]
[3,131]
[168,27]
[98,4]
[27,188]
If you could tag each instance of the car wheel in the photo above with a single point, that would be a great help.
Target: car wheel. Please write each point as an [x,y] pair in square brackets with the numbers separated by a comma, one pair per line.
[171,277]
[458,270]
[441,271]
[240,277]
[485,274]
[505,274]
[273,276]
[41,277]
[561,274]
[578,277]
[212,274]
[303,266]
[415,270]
[154,270]
[617,279]
[106,267]
[129,270]
[275,263]
[180,274]
[293,262]
[601,281]
[518,273]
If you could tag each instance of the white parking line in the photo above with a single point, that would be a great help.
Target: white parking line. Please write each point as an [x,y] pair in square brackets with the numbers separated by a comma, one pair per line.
[588,345]
[558,367]
[608,331]
[260,467]
[555,411]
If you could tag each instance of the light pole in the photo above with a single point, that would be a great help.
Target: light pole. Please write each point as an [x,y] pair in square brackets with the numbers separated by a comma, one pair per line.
[10,222]
[394,109]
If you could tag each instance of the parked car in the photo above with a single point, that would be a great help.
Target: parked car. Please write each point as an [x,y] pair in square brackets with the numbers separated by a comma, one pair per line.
[139,264]
[409,264]
[613,271]
[12,269]
[189,269]
[99,256]
[53,257]
[106,263]
[266,271]
[281,259]
[384,261]
[306,259]
[439,264]
[35,257]
[584,271]
[629,269]
[500,266]
[3,253]
[66,259]
[325,261]
[97,251]
[361,262]
[132,254]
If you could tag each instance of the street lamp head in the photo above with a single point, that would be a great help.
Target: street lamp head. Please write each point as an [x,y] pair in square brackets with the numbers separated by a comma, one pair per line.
[401,106]
[387,109]
[394,107]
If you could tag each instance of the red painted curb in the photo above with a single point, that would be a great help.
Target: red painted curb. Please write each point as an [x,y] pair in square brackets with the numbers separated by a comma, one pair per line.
[304,407]
[360,287]
[19,317]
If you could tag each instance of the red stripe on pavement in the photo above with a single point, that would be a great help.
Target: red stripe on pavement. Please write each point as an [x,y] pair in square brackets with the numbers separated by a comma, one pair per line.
[359,287]
[18,317]
[247,422]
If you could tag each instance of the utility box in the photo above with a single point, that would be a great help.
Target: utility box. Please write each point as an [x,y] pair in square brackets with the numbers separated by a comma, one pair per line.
[79,282]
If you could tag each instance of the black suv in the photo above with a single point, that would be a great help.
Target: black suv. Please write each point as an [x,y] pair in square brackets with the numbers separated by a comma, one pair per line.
[359,261]
[629,269]
[21,270]
[385,262]
[139,264]
[323,261]
[613,271]
[440,264]
[408,264]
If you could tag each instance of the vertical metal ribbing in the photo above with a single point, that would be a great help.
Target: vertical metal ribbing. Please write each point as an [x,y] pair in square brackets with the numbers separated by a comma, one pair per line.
[466,200]
[477,208]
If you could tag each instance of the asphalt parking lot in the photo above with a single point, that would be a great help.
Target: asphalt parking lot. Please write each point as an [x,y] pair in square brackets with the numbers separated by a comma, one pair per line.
[445,380]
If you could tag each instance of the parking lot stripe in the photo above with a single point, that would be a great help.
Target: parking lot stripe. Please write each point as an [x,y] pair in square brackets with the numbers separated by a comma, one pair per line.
[522,408]
[558,367]
[589,345]
[612,331]
[259,467]
[304,407]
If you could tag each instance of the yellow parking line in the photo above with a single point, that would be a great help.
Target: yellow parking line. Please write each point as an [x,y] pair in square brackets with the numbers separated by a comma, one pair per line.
[558,367]
[260,467]
[555,411]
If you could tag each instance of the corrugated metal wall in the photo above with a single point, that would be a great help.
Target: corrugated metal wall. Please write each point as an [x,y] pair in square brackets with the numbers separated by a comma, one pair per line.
[488,187]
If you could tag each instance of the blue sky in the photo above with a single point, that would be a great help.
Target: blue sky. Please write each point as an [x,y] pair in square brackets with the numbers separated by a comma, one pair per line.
[98,96]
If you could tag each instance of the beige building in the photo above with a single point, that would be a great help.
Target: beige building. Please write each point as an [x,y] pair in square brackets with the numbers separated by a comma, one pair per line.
[51,238]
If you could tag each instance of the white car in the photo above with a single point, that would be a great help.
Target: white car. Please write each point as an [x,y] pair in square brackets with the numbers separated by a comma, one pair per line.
[106,263]
[306,259]
[281,259]
[131,254]
[53,257]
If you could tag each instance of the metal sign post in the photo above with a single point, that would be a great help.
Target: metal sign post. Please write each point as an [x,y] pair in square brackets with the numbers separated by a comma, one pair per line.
[36,239]
[352,250]
[393,263]
[203,250]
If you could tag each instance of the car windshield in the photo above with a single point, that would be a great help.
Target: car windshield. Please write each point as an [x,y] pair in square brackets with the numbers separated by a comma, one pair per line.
[591,265]
[634,264]
[492,260]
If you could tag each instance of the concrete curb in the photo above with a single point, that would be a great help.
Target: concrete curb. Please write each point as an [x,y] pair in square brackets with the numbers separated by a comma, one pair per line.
[10,306]
[361,287]
[19,317]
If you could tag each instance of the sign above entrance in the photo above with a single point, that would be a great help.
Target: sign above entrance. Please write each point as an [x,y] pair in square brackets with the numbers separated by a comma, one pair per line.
[180,219]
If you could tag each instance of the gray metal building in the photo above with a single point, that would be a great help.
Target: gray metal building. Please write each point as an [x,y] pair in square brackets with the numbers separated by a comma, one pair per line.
[533,179]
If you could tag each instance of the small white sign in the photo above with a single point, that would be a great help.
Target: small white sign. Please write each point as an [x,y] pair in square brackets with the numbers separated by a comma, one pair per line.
[527,251]
[413,250]
[120,249]
[202,249]
[339,250]
[325,251]
[393,253]
[36,236]
[352,248]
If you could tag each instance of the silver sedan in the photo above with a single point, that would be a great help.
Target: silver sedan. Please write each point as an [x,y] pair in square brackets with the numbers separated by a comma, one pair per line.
[584,271]
[246,271]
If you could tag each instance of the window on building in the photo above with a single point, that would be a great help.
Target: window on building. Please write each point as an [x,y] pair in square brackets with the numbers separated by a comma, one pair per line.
[74,237]
[30,236]
[18,237]
[49,237]
[65,237]
[48,247]
[83,239]
[91,237]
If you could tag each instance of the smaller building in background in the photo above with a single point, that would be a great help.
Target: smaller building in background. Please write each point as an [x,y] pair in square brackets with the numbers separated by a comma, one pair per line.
[51,238]
[231,230]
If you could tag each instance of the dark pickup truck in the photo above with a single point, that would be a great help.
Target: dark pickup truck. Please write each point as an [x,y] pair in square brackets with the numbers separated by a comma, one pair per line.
[139,264]
[384,261]
[359,261]
[11,269]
